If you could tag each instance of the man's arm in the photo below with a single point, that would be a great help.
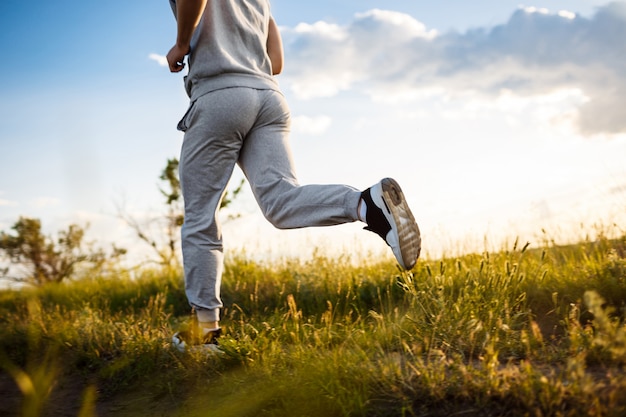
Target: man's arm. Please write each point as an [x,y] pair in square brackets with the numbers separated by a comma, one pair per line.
[188,14]
[275,47]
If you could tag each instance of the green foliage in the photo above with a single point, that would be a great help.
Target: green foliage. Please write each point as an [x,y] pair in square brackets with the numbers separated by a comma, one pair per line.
[42,260]
[521,332]
[170,176]
[165,240]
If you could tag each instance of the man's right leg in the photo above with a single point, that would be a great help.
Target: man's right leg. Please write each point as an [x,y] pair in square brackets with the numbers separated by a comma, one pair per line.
[267,162]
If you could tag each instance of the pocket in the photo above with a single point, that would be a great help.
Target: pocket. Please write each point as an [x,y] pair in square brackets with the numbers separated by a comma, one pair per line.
[184,123]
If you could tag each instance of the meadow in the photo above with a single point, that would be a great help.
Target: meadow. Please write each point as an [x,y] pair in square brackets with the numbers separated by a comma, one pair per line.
[530,330]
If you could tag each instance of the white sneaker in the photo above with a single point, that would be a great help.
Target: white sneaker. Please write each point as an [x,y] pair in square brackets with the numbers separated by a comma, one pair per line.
[186,341]
[389,216]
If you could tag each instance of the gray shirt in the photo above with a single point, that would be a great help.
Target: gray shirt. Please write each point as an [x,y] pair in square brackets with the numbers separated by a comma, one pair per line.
[229,47]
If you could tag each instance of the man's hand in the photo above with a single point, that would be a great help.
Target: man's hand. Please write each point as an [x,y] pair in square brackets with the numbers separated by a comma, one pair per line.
[175,58]
[188,14]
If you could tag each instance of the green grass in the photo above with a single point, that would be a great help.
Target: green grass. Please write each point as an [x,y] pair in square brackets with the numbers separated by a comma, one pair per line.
[520,332]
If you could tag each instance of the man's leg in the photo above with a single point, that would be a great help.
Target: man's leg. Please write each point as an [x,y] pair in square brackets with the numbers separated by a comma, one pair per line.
[217,124]
[267,162]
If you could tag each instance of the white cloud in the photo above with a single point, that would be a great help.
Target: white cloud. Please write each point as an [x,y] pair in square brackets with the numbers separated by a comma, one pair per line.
[535,53]
[405,26]
[160,59]
[567,14]
[7,203]
[314,126]
[322,84]
[533,9]
[322,29]
[318,57]
[44,202]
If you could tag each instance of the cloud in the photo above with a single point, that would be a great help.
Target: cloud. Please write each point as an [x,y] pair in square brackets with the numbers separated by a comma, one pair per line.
[160,59]
[314,126]
[401,26]
[8,203]
[535,53]
[45,202]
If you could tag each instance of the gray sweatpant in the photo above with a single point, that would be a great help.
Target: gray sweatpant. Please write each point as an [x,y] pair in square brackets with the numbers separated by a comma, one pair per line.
[250,128]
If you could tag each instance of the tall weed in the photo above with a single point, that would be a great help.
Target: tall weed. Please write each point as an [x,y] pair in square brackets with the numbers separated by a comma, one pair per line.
[522,331]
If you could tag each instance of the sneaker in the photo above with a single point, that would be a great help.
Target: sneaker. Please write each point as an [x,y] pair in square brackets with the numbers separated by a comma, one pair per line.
[389,216]
[192,341]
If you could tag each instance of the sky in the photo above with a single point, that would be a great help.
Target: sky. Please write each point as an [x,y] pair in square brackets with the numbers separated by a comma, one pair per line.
[500,120]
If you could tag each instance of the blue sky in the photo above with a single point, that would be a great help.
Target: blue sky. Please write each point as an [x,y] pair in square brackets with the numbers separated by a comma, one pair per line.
[498,119]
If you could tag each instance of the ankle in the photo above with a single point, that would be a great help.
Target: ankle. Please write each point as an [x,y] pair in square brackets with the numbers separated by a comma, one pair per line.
[207,327]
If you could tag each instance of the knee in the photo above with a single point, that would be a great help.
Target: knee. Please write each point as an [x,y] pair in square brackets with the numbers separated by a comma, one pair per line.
[201,233]
[275,202]
[276,216]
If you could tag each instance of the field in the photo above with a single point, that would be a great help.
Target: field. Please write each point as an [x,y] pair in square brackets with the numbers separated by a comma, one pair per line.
[525,331]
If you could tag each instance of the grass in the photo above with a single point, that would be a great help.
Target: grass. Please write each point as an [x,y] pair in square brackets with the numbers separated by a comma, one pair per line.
[520,332]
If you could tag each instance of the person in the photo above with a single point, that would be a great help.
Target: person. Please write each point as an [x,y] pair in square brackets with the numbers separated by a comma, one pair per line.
[238,115]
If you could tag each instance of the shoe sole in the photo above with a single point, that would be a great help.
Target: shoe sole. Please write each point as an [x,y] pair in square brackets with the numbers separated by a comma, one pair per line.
[405,240]
[182,347]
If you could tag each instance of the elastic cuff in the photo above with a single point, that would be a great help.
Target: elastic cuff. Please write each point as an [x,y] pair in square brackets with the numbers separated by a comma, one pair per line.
[208,315]
[352,205]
